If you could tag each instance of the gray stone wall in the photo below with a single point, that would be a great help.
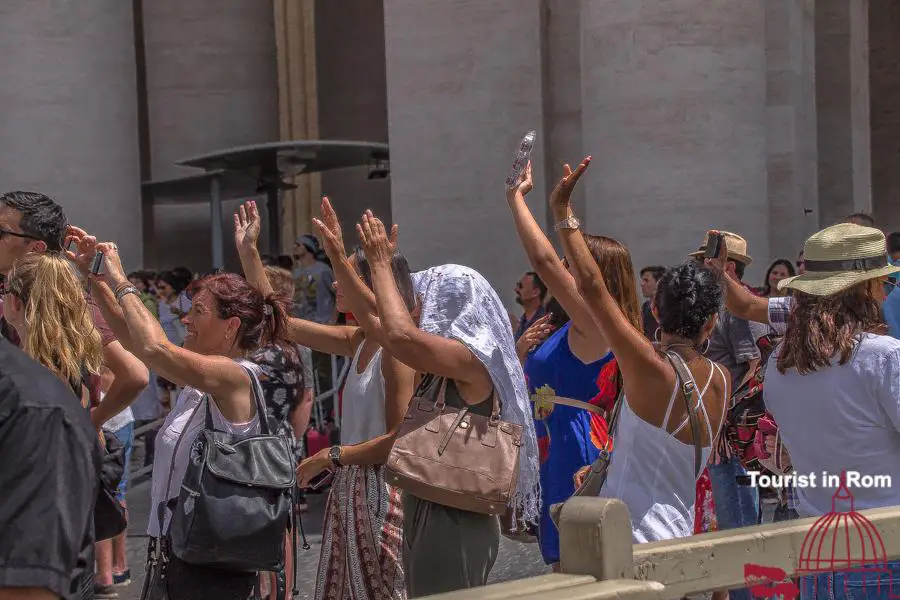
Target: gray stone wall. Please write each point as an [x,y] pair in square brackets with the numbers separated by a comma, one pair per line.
[211,84]
[69,112]
[674,114]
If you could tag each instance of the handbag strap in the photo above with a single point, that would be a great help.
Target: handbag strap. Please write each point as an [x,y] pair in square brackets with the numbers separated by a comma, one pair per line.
[441,400]
[688,387]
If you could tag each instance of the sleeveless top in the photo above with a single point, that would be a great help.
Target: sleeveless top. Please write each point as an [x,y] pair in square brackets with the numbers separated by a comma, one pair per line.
[362,417]
[652,471]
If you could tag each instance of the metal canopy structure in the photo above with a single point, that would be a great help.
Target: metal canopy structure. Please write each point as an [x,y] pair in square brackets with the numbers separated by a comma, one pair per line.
[261,168]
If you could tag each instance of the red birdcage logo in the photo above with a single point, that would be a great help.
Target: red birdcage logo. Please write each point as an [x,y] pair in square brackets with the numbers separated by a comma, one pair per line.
[841,540]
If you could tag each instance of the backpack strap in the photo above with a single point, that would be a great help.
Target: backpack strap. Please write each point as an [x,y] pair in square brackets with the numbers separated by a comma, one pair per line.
[688,389]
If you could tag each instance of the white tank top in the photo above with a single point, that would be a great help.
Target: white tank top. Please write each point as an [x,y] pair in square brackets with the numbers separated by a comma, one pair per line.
[652,472]
[362,407]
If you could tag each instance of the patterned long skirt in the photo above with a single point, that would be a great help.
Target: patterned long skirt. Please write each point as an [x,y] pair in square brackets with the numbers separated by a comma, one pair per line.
[362,538]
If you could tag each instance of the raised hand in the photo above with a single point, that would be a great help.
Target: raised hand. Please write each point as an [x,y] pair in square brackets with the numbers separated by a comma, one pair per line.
[86,247]
[562,193]
[112,264]
[374,239]
[534,335]
[526,182]
[717,265]
[329,228]
[246,226]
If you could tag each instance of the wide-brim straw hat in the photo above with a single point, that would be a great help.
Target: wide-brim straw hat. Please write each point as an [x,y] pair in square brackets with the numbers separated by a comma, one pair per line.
[737,248]
[839,257]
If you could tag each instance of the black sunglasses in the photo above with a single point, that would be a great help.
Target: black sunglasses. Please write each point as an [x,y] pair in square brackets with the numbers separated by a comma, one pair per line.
[18,234]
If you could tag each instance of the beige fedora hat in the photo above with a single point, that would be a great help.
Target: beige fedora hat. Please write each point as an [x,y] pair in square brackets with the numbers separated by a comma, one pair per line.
[737,248]
[839,257]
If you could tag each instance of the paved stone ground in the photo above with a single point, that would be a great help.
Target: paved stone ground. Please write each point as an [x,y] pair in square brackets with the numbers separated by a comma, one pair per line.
[515,561]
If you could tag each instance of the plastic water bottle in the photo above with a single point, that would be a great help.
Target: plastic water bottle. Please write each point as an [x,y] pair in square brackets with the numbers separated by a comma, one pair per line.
[523,154]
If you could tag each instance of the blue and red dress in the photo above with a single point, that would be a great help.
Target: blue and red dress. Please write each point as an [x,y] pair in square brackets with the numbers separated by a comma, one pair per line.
[569,438]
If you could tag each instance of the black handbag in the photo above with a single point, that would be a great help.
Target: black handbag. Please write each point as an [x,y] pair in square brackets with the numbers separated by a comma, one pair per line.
[109,514]
[236,500]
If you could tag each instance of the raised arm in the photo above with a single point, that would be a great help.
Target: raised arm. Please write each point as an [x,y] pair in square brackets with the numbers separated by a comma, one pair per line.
[738,299]
[424,352]
[589,343]
[634,352]
[219,376]
[359,297]
[329,339]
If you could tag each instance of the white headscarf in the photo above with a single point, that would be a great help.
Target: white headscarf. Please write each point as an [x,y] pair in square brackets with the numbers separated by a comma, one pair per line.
[459,303]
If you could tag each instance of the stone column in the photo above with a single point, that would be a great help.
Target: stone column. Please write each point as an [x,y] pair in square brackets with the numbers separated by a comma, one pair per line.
[212,83]
[353,89]
[842,96]
[562,97]
[464,85]
[295,37]
[69,113]
[791,130]
[674,114]
[884,52]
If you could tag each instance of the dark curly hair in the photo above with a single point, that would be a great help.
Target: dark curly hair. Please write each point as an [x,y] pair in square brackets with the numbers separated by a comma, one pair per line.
[686,297]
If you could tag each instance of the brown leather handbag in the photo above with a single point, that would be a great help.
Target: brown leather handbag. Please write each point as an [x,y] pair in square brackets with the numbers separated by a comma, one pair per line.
[453,457]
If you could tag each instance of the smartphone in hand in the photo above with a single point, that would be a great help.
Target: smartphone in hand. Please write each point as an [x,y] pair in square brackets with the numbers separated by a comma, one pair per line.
[319,480]
[715,244]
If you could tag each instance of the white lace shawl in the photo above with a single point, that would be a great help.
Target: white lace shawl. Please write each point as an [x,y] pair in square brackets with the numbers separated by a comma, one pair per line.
[459,303]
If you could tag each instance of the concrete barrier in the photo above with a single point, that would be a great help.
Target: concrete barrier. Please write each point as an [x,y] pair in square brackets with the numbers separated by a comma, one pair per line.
[599,560]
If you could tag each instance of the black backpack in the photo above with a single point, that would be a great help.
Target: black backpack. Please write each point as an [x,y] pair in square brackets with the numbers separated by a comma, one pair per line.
[236,501]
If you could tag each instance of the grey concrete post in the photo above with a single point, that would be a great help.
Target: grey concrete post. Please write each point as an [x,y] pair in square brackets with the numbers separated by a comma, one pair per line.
[595,538]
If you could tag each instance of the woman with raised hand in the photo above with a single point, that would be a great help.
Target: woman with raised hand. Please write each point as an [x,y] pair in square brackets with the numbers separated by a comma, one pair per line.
[227,320]
[465,340]
[575,362]
[659,453]
[363,516]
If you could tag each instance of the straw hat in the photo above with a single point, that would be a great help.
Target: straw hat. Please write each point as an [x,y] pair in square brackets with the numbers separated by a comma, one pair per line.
[737,248]
[839,257]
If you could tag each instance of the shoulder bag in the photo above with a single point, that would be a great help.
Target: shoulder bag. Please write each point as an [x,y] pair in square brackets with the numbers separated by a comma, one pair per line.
[453,457]
[235,503]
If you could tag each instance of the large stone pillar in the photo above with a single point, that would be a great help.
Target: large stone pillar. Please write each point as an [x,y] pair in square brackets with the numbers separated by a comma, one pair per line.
[464,85]
[353,101]
[298,106]
[212,84]
[791,130]
[884,54]
[842,96]
[562,97]
[69,113]
[674,114]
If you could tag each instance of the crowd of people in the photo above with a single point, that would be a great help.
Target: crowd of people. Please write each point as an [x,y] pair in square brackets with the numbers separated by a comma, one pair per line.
[663,403]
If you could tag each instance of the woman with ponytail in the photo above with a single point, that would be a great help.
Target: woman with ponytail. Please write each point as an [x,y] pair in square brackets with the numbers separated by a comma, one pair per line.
[228,320]
[46,306]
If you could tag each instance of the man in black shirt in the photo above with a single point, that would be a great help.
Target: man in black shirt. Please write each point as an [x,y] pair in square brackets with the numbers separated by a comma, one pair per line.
[49,459]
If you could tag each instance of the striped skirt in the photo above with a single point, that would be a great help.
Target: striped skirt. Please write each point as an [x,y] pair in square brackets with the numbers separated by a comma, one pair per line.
[362,538]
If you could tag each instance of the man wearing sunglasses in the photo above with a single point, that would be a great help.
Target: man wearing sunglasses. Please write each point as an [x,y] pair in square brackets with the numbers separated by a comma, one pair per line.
[32,222]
